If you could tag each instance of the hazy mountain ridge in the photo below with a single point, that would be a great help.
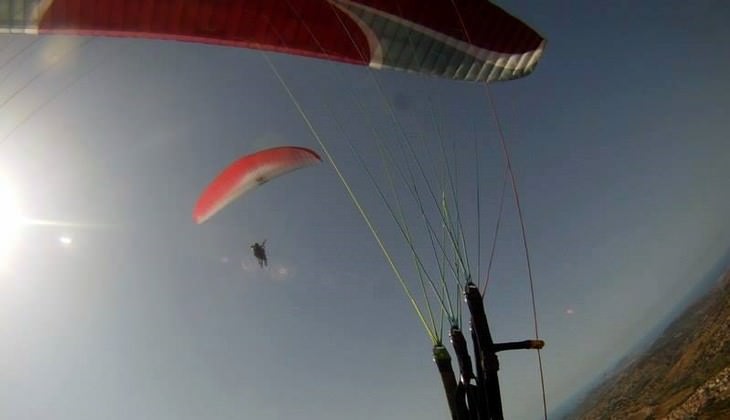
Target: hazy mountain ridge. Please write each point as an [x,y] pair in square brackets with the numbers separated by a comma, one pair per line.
[685,373]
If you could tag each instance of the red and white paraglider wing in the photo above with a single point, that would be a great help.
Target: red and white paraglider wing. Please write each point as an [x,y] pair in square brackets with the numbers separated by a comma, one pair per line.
[249,172]
[471,40]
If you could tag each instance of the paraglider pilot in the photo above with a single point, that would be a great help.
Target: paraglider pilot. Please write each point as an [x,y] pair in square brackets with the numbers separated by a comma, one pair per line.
[260,253]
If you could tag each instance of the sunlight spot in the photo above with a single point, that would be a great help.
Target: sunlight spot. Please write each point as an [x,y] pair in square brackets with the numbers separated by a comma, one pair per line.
[569,311]
[65,240]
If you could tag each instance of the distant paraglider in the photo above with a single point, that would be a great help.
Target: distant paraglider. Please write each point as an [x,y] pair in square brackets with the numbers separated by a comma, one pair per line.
[249,172]
[259,251]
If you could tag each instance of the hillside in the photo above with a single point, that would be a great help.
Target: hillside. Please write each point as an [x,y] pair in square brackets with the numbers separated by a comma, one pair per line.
[685,373]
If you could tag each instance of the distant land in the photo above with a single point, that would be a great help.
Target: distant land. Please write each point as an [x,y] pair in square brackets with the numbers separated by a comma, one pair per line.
[684,374]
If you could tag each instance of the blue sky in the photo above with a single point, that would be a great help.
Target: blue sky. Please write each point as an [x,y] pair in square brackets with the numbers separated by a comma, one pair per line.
[620,145]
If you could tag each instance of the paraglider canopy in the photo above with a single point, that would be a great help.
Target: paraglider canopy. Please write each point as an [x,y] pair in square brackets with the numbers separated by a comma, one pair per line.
[464,40]
[249,172]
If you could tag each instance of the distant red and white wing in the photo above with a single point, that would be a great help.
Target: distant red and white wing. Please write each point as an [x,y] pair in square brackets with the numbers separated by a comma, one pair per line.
[249,172]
